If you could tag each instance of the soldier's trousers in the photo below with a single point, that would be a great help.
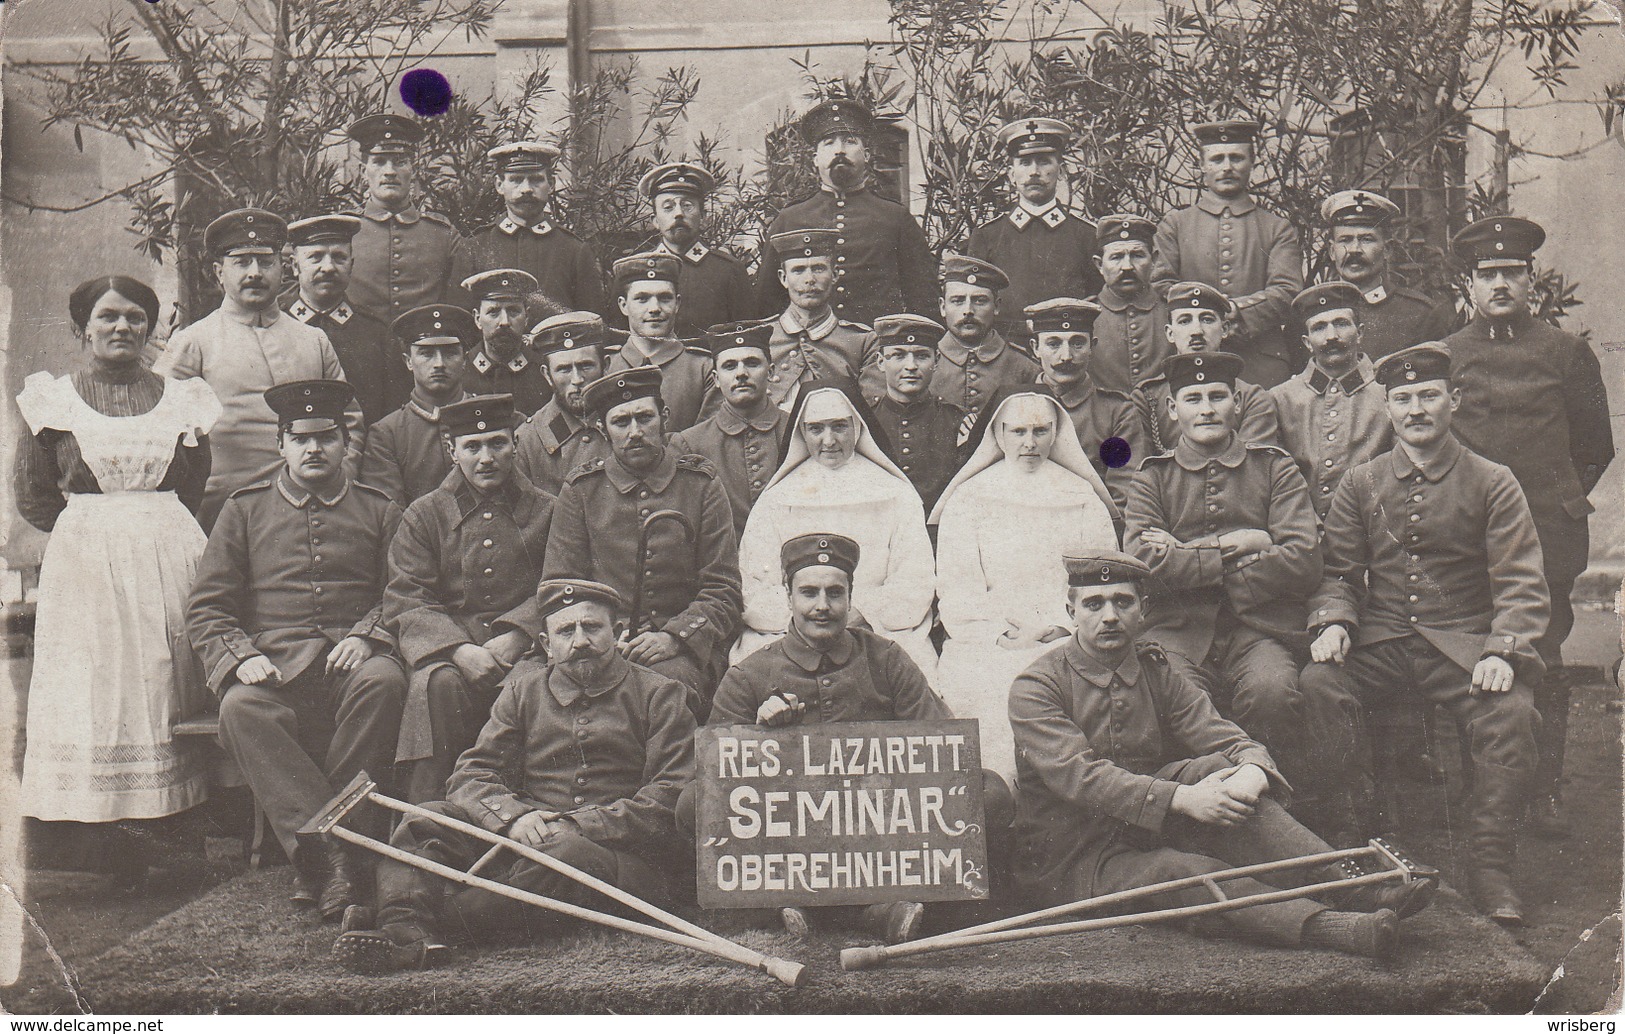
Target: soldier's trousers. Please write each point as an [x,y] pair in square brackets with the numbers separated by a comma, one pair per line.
[1253,680]
[410,897]
[457,712]
[1565,544]
[299,743]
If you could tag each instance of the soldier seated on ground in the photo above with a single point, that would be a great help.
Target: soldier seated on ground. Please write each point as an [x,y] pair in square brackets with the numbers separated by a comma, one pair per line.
[1128,777]
[600,802]
[823,671]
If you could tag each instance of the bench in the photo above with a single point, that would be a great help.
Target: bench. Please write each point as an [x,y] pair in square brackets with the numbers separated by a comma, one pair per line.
[224,772]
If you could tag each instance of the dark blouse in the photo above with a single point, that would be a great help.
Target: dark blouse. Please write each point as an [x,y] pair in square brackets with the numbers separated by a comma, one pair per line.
[49,466]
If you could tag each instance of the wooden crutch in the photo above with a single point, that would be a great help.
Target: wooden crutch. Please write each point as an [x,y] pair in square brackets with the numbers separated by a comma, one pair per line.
[1017,928]
[363,790]
[637,618]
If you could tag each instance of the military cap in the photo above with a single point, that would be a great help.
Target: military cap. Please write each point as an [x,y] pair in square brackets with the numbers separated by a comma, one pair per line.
[477,415]
[962,269]
[1104,567]
[648,265]
[437,324]
[307,407]
[1121,226]
[1191,294]
[500,283]
[1037,135]
[841,115]
[1500,240]
[1428,361]
[1187,368]
[523,156]
[1226,131]
[819,549]
[905,328]
[323,229]
[1332,294]
[677,178]
[620,387]
[567,332]
[804,243]
[245,231]
[1357,208]
[555,594]
[1061,314]
[386,132]
[746,334]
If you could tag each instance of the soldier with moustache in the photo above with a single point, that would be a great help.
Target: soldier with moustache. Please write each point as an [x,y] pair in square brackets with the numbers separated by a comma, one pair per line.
[501,365]
[1196,318]
[716,286]
[1391,315]
[465,557]
[560,437]
[975,358]
[1227,241]
[882,261]
[1043,249]
[1533,398]
[406,451]
[648,291]
[322,263]
[1131,332]
[741,439]
[809,341]
[565,269]
[404,256]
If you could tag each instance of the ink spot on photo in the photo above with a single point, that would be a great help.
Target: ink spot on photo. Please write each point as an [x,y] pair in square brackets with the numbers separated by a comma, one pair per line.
[1115,452]
[426,91]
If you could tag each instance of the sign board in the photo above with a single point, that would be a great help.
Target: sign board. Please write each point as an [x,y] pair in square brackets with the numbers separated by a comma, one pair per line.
[843,814]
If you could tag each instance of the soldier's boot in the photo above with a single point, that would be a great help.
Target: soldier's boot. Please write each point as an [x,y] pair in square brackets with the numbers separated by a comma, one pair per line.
[796,922]
[388,950]
[1402,897]
[312,866]
[1497,808]
[1357,933]
[894,922]
[344,882]
[1547,817]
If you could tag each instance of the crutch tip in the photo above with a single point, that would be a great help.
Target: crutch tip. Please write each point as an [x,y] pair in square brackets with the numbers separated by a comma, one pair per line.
[786,972]
[862,958]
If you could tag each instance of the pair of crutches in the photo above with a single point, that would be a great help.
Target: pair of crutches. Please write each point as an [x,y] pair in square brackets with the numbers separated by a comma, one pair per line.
[332,819]
[1395,865]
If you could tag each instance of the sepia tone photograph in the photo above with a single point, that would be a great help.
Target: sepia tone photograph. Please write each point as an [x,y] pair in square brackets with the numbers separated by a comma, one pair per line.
[900,507]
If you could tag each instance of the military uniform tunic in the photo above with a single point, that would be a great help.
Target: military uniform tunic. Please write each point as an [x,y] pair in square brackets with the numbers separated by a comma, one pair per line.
[406,455]
[968,377]
[744,450]
[1331,425]
[865,678]
[882,258]
[552,442]
[829,349]
[1253,256]
[402,260]
[1131,340]
[519,375]
[372,366]
[564,266]
[1256,417]
[687,381]
[924,437]
[1098,414]
[715,286]
[1046,254]
[1393,317]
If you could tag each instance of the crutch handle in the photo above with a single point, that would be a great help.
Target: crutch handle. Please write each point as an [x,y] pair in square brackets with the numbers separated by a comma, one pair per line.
[868,957]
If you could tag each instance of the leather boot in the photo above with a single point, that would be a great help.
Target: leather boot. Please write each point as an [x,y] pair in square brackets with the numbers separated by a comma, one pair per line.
[312,868]
[1546,815]
[1403,897]
[342,888]
[894,922]
[1496,813]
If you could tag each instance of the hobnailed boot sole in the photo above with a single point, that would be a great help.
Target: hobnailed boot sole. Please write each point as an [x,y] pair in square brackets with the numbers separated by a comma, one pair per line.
[372,954]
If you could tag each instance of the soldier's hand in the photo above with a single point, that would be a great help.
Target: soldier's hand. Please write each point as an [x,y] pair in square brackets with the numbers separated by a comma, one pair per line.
[533,828]
[779,709]
[351,653]
[508,647]
[1243,541]
[257,670]
[477,665]
[1211,803]
[652,648]
[1492,675]
[1249,782]
[1331,646]
[1159,540]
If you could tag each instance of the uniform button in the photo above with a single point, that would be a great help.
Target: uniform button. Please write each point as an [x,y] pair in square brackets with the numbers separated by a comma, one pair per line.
[318,590]
[580,799]
[1413,597]
[581,780]
[1332,437]
[840,240]
[906,434]
[1334,412]
[1415,577]
[1325,489]
[582,720]
[489,572]
[1212,507]
[1413,619]
[1416,498]
[1328,463]
[486,543]
[317,558]
[581,734]
[1415,517]
[487,515]
[643,494]
[906,451]
[756,484]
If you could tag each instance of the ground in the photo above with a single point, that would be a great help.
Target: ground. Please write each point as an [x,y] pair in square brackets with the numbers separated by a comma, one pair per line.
[202,934]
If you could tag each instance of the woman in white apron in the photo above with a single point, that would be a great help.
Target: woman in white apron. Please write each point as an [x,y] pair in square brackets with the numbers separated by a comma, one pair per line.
[837,478]
[1027,497]
[113,467]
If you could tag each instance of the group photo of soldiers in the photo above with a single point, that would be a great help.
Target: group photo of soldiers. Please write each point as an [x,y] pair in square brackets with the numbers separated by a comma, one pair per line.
[1181,527]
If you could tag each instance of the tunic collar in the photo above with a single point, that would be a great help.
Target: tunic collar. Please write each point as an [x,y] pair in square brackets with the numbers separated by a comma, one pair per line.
[825,188]
[809,658]
[511,226]
[484,362]
[625,480]
[566,690]
[957,352]
[731,421]
[642,352]
[1095,670]
[1377,295]
[304,313]
[1434,469]
[1186,455]
[1213,204]
[1110,299]
[1503,330]
[1051,214]
[693,254]
[429,413]
[300,498]
[1319,380]
[1074,395]
[469,499]
[379,214]
[263,319]
[817,331]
